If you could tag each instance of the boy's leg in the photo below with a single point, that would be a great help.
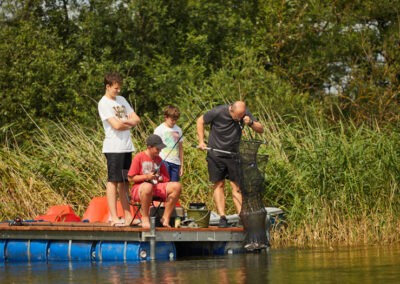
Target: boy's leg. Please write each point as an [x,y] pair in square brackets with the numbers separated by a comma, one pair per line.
[111,194]
[123,191]
[146,197]
[173,171]
[173,192]
[114,167]
[123,188]
[116,163]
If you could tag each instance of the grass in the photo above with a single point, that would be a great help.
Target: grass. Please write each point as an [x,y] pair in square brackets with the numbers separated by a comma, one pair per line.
[338,184]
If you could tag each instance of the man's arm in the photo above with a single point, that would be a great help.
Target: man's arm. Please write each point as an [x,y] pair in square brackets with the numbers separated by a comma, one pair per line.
[200,132]
[255,125]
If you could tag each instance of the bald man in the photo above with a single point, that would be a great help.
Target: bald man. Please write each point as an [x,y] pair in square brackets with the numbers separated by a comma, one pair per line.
[226,122]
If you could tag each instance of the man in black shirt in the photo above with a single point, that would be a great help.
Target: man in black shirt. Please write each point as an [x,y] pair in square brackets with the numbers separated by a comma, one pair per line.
[226,123]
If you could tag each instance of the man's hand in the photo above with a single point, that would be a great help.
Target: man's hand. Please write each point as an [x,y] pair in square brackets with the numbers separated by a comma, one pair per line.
[202,146]
[248,121]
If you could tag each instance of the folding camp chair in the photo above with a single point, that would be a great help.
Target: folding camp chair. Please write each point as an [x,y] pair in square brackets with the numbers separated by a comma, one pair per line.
[155,206]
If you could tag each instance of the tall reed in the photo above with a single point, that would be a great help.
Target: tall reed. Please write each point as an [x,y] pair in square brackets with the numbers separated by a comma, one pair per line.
[64,165]
[337,183]
[57,165]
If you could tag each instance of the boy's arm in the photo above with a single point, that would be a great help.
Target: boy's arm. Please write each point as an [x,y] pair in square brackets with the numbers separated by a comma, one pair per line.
[134,173]
[135,176]
[133,119]
[118,124]
[141,178]
[133,169]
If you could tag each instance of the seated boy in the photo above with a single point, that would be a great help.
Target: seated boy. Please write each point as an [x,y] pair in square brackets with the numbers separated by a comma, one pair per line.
[150,179]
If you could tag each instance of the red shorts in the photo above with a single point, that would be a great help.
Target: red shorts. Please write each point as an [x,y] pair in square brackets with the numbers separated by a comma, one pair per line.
[159,190]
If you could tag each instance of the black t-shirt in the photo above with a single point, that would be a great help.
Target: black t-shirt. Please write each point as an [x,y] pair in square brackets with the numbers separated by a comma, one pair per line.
[225,132]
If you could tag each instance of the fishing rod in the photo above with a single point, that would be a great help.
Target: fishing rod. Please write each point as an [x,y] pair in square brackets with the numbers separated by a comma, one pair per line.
[17,222]
[215,150]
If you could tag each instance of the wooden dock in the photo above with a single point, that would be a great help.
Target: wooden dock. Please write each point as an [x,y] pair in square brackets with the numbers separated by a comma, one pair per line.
[103,231]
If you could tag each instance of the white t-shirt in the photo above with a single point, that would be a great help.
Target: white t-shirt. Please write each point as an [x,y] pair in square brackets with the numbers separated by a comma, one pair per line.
[115,141]
[169,136]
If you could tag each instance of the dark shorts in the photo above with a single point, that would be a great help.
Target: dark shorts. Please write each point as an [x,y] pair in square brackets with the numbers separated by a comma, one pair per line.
[220,168]
[173,171]
[118,165]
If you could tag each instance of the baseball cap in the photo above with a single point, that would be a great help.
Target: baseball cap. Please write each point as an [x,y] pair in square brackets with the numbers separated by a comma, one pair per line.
[155,141]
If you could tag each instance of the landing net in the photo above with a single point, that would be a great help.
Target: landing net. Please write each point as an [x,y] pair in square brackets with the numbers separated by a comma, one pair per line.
[252,184]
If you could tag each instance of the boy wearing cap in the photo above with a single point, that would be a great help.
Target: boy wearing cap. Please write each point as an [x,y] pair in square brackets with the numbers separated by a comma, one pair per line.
[150,177]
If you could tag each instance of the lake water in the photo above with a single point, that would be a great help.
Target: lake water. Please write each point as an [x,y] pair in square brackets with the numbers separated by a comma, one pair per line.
[374,264]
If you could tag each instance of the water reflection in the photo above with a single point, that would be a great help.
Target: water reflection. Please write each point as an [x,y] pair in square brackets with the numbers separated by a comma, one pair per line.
[348,265]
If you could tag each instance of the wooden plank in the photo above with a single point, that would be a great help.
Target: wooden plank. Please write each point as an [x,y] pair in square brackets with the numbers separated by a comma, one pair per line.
[103,231]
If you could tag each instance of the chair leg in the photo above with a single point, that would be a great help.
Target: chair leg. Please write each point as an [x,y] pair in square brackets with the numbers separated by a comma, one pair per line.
[137,210]
[157,213]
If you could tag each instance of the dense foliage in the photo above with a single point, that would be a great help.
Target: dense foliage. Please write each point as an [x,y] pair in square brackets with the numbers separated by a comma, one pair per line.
[54,53]
[323,77]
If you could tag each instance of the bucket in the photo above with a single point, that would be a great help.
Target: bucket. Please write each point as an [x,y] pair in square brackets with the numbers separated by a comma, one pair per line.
[197,205]
[200,216]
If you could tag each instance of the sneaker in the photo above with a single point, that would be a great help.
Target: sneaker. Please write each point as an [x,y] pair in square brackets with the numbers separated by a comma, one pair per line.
[223,222]
[239,224]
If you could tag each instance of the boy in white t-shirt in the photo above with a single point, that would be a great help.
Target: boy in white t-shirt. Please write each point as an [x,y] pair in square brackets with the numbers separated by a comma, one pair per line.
[171,135]
[118,118]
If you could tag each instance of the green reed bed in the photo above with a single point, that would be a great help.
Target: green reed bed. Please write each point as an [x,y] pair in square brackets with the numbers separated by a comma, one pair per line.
[58,165]
[338,184]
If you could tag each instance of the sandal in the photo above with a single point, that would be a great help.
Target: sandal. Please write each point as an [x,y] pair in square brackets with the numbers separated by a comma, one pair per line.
[119,223]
